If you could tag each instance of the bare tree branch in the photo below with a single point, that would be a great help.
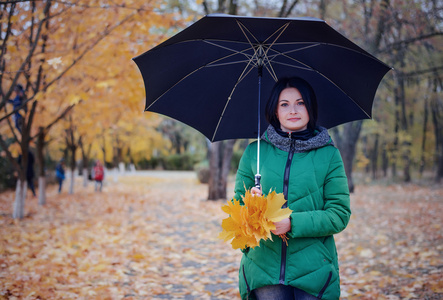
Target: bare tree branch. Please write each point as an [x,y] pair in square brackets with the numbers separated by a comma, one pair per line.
[34,46]
[89,48]
[3,53]
[381,26]
[291,8]
[61,116]
[404,43]
[433,70]
[206,7]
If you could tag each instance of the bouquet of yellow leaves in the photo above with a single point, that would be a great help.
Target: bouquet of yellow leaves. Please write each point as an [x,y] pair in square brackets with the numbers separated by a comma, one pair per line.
[249,223]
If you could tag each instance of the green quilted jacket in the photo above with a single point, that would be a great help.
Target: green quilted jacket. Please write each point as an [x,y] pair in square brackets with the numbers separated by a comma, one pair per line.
[311,175]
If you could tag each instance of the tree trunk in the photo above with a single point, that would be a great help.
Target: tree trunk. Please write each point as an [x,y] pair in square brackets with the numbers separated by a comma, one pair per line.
[104,149]
[21,187]
[20,197]
[439,173]
[346,143]
[385,160]
[374,157]
[322,9]
[221,6]
[226,165]
[214,171]
[41,164]
[219,166]
[394,150]
[85,177]
[72,170]
[366,153]
[41,190]
[400,101]
[71,181]
[423,139]
[407,161]
[86,151]
[233,7]
[437,119]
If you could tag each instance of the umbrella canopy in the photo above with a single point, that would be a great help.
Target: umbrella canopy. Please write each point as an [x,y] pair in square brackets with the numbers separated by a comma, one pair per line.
[212,74]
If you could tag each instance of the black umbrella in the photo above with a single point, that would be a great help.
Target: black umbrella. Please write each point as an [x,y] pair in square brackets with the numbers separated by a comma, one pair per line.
[212,74]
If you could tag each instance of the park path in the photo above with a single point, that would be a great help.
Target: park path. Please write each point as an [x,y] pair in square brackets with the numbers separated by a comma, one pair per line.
[192,262]
[153,235]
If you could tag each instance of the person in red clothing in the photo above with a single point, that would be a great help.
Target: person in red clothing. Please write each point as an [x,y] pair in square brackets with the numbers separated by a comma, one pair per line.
[99,175]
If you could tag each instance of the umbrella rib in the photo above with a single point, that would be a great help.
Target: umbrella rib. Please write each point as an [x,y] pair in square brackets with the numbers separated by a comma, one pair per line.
[308,68]
[243,28]
[266,62]
[268,66]
[255,49]
[171,87]
[210,64]
[242,52]
[244,73]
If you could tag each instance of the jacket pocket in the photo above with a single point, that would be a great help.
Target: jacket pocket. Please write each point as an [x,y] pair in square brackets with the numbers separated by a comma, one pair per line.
[322,291]
[325,250]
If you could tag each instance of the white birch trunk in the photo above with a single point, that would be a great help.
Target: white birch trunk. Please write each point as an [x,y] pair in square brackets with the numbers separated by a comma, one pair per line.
[41,190]
[71,181]
[85,177]
[19,203]
[115,171]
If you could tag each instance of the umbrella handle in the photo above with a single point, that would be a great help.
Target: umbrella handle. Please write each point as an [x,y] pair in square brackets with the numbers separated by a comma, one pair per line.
[257,181]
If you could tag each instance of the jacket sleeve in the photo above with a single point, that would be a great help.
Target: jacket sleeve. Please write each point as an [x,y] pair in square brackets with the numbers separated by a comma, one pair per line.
[336,212]
[245,173]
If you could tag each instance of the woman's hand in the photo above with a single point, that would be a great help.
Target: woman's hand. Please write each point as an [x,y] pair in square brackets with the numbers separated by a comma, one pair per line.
[282,227]
[256,191]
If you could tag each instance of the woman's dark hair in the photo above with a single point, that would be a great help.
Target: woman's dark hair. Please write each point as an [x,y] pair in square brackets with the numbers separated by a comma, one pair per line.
[306,92]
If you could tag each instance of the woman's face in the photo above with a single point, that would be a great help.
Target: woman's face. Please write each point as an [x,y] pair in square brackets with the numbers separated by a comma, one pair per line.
[291,111]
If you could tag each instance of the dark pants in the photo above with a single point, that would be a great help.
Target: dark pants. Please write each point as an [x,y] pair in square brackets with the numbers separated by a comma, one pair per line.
[60,183]
[31,185]
[281,292]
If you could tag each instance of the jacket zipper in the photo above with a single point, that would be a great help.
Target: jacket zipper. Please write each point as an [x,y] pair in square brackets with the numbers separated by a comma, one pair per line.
[284,247]
[246,281]
[320,295]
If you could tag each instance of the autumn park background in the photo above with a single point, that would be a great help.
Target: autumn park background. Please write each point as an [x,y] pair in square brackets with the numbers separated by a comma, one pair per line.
[152,232]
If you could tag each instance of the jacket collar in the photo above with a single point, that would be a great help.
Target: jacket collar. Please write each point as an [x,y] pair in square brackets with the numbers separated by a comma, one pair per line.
[320,139]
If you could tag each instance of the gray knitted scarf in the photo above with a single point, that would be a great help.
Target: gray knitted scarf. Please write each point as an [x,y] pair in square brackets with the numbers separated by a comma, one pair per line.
[321,139]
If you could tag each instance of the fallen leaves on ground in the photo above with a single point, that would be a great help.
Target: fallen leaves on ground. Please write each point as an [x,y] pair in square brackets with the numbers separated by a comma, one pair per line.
[392,247]
[154,236]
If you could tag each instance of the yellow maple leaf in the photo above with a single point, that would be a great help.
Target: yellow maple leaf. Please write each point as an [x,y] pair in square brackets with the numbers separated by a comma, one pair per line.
[274,211]
[253,221]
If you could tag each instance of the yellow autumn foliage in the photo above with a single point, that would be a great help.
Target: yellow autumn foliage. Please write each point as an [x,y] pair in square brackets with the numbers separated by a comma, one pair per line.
[86,61]
[252,221]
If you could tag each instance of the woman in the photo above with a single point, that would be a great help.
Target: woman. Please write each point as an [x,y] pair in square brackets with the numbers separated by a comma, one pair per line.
[299,160]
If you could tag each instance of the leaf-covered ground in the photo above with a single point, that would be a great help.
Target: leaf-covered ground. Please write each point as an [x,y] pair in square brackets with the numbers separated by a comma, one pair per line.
[153,236]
